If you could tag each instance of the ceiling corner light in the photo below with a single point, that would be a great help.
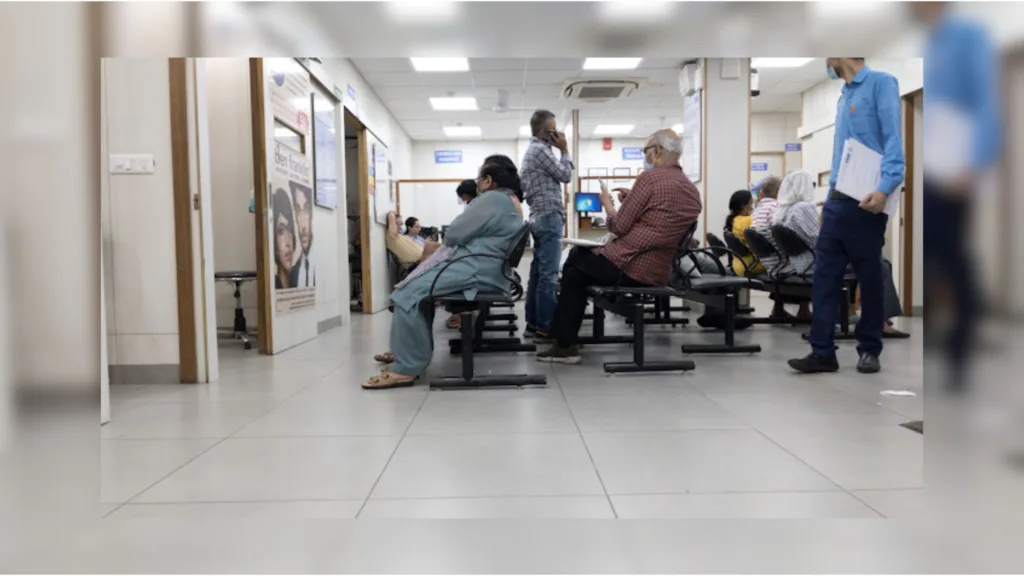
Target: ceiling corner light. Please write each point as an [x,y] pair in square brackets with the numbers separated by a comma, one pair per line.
[677,128]
[462,131]
[440,64]
[611,63]
[613,129]
[779,62]
[453,103]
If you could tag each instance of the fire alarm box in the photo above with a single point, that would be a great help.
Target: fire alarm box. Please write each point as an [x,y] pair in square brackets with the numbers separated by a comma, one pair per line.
[606,143]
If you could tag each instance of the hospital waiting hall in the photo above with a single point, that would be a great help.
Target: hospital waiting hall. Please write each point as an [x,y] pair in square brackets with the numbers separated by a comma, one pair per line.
[505,288]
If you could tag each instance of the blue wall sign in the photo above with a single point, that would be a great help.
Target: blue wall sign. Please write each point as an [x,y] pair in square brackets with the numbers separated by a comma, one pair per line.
[447,156]
[632,153]
[759,167]
[793,147]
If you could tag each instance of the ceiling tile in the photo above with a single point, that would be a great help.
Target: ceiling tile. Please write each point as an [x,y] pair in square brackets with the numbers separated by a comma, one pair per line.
[548,77]
[391,79]
[570,65]
[497,64]
[498,79]
[445,79]
[368,65]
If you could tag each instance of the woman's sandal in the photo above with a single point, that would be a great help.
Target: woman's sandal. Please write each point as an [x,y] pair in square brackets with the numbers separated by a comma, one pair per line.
[384,358]
[387,380]
[453,322]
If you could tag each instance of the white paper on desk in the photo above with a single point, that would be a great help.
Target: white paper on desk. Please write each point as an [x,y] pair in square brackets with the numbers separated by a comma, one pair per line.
[860,171]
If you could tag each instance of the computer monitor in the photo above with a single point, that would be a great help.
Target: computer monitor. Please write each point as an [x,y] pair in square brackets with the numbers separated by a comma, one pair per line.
[588,202]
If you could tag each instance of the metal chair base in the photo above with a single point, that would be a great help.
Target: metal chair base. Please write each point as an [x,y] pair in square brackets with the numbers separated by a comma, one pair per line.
[511,381]
[721,348]
[661,366]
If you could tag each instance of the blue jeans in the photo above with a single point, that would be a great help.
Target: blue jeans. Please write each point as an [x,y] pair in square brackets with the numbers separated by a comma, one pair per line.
[541,298]
[849,235]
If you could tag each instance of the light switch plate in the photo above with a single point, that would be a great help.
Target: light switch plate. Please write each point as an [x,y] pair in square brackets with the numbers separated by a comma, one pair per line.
[132,164]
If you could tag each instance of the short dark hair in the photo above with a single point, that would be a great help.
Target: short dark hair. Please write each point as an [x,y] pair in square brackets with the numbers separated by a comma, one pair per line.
[503,171]
[283,207]
[539,119]
[466,188]
[410,222]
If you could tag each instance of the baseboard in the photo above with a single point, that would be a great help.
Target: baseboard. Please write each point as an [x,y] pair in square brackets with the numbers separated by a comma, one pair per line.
[329,324]
[145,374]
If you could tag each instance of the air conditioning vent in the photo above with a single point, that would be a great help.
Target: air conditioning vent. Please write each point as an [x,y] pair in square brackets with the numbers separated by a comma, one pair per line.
[599,90]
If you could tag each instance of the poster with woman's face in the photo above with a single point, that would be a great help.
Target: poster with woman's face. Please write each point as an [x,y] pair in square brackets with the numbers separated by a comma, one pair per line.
[291,229]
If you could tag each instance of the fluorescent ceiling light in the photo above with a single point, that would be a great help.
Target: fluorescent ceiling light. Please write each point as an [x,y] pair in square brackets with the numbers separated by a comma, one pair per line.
[677,128]
[461,131]
[440,64]
[456,103]
[611,63]
[613,129]
[618,11]
[779,62]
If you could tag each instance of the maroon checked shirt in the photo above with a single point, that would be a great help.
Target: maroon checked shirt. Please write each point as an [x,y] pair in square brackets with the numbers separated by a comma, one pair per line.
[658,210]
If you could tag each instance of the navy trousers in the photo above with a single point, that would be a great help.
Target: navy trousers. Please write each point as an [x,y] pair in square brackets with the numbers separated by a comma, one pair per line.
[851,236]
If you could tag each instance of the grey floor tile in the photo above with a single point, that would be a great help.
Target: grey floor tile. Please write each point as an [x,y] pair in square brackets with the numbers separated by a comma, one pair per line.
[130,466]
[552,507]
[895,503]
[766,505]
[455,466]
[698,461]
[185,420]
[198,512]
[641,413]
[493,412]
[265,469]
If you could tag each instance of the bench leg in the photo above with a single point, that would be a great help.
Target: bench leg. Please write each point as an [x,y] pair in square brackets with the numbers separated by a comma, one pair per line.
[469,379]
[639,364]
[598,335]
[730,346]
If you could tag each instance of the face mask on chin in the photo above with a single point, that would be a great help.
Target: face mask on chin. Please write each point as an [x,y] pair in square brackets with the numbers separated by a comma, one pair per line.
[648,165]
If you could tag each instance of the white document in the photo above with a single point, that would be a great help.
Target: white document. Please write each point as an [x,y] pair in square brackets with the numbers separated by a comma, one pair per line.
[581,242]
[860,171]
[948,139]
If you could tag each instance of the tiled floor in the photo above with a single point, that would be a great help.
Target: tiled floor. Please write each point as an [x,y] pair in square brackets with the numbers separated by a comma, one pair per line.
[293,436]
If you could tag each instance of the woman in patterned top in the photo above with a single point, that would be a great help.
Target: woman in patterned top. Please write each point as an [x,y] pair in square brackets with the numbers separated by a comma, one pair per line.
[487,226]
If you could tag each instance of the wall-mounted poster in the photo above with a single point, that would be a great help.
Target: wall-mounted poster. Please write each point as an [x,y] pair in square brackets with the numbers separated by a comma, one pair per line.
[325,149]
[384,201]
[291,204]
[692,113]
[289,93]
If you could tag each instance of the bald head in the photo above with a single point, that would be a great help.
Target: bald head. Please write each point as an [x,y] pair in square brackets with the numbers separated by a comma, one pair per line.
[663,147]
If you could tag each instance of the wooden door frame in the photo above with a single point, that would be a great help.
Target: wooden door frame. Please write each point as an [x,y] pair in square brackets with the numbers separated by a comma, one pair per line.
[907,213]
[364,208]
[782,154]
[182,200]
[265,317]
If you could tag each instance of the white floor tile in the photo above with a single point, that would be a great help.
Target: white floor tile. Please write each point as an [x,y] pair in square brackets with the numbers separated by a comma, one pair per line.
[494,412]
[553,507]
[766,505]
[130,466]
[197,512]
[895,503]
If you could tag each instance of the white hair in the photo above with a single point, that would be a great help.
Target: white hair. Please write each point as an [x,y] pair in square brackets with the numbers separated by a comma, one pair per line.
[668,141]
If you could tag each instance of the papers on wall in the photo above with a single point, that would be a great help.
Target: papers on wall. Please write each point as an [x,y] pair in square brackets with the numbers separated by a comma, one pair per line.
[860,171]
[382,185]
[947,142]
[692,111]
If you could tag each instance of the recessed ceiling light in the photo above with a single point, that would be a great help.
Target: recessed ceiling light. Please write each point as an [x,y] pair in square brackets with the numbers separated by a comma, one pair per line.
[677,128]
[462,131]
[456,103]
[779,62]
[613,129]
[611,63]
[440,64]
[525,131]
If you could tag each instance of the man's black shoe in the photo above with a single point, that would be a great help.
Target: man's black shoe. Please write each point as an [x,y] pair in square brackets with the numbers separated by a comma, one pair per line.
[868,364]
[814,364]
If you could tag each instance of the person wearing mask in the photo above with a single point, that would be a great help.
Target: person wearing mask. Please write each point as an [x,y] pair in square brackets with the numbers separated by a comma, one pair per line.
[662,205]
[852,232]
[962,116]
[412,230]
[741,206]
[488,225]
[542,177]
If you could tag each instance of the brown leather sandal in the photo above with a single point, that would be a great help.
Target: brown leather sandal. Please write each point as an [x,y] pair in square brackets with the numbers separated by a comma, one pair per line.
[384,358]
[387,380]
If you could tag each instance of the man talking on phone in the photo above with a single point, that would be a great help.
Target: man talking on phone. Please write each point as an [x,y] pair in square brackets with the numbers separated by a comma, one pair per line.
[853,231]
[542,175]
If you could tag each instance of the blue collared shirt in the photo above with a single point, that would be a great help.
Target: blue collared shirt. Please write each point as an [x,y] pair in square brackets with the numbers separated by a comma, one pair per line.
[869,112]
[960,70]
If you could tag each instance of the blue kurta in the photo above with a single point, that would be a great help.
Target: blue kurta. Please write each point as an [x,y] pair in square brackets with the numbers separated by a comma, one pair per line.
[486,227]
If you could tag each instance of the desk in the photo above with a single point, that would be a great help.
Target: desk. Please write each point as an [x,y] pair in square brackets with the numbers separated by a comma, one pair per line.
[239,330]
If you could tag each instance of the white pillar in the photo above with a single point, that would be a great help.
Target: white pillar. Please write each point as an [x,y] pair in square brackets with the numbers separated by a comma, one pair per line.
[570,210]
[726,136]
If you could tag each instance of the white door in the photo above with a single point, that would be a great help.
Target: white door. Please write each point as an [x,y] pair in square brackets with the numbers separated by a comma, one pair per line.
[764,165]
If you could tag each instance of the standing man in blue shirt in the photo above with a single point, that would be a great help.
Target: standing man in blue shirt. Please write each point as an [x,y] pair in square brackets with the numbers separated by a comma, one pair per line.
[963,140]
[542,176]
[852,232]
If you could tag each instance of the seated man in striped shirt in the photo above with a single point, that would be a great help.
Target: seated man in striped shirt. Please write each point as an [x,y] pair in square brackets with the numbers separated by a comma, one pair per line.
[658,211]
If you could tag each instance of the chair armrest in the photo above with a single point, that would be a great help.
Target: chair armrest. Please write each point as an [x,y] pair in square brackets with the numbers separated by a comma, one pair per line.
[463,257]
[715,258]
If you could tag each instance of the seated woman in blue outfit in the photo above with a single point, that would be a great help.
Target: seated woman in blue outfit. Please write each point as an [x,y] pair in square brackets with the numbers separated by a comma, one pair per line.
[487,226]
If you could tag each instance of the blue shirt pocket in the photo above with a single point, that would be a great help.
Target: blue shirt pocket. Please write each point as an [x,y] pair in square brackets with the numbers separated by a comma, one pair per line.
[863,119]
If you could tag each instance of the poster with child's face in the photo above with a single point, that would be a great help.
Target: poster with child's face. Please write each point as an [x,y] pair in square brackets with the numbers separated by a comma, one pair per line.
[292,230]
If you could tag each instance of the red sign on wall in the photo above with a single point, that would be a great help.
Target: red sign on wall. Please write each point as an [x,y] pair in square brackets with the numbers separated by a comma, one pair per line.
[606,143]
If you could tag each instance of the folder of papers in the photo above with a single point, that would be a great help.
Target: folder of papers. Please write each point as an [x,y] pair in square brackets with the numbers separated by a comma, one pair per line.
[860,171]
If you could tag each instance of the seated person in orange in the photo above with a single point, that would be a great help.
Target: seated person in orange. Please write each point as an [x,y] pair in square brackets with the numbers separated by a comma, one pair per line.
[741,206]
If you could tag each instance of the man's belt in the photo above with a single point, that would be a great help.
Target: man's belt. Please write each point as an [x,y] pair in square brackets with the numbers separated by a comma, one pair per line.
[834,194]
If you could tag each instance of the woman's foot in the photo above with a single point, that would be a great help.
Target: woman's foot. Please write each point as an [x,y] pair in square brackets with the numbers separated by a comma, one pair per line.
[388,379]
[890,331]
[454,322]
[385,358]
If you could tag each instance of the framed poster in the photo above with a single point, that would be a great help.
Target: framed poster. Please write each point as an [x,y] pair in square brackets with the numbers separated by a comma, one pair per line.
[692,115]
[289,90]
[291,198]
[325,150]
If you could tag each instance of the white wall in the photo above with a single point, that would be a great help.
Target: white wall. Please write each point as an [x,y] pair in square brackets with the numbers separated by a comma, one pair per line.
[770,132]
[726,149]
[138,222]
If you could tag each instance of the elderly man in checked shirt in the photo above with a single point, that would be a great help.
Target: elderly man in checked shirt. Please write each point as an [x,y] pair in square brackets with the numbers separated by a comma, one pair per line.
[659,209]
[542,177]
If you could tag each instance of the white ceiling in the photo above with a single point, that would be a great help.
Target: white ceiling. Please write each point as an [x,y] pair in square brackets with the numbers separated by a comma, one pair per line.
[533,83]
